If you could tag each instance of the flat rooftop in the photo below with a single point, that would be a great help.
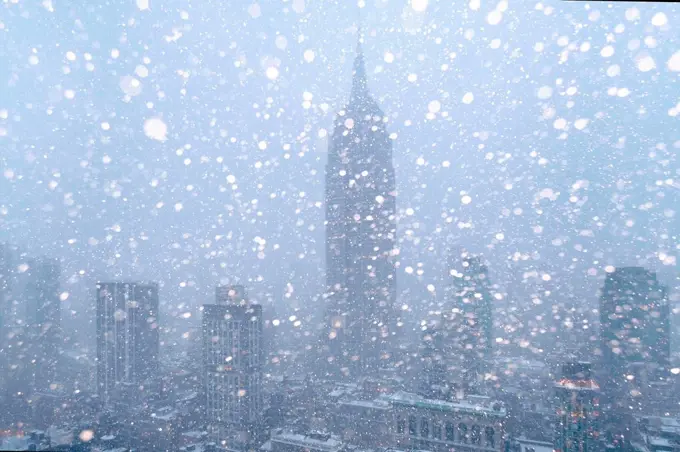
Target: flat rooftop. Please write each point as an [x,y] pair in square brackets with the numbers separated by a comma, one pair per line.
[331,444]
[486,407]
[373,404]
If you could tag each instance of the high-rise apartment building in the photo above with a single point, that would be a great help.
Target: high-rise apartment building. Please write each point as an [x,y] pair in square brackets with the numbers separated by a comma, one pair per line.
[634,328]
[467,323]
[43,321]
[5,284]
[5,300]
[578,409]
[16,369]
[433,377]
[233,357]
[360,234]
[13,268]
[127,335]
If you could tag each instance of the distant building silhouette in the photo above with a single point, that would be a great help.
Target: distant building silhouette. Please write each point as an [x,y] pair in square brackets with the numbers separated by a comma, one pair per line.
[43,321]
[127,336]
[433,378]
[233,357]
[634,329]
[5,301]
[467,322]
[12,280]
[360,234]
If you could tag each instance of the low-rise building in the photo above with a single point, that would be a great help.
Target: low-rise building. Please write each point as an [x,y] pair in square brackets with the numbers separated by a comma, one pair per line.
[473,424]
[523,444]
[283,441]
[364,422]
[658,434]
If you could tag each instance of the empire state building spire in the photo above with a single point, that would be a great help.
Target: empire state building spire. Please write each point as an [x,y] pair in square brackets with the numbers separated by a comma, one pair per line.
[359,83]
[360,98]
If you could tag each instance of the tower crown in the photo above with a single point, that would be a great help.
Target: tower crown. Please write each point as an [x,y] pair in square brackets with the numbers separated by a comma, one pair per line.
[360,98]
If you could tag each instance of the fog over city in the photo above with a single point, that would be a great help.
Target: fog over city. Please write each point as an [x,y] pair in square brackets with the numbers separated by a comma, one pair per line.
[340,164]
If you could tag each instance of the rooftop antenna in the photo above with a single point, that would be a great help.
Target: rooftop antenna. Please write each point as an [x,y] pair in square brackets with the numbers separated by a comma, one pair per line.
[360,33]
[359,85]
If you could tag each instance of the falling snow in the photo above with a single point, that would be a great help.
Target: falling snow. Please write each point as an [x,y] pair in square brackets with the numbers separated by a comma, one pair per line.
[525,153]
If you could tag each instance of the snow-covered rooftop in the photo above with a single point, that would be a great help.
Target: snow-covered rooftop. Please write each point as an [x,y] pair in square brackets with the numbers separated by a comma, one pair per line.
[487,407]
[375,404]
[315,442]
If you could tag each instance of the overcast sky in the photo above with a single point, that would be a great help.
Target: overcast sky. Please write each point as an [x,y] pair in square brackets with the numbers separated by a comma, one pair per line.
[184,141]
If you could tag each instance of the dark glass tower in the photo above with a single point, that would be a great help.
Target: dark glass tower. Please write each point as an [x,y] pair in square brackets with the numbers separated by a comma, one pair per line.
[5,300]
[634,328]
[467,322]
[360,234]
[44,320]
[433,378]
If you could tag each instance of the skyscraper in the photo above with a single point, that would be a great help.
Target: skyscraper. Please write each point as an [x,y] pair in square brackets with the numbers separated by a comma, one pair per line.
[360,233]
[12,276]
[5,284]
[467,323]
[16,369]
[127,335]
[578,410]
[5,300]
[634,326]
[433,377]
[43,320]
[5,287]
[233,357]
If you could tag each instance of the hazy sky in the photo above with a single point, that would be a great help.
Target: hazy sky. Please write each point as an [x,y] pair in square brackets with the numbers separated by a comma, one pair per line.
[542,135]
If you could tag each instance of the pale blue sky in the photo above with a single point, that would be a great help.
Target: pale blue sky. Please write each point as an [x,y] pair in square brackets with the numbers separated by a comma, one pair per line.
[82,168]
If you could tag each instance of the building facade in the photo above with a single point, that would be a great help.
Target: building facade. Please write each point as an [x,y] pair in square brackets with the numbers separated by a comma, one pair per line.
[43,321]
[433,379]
[472,424]
[360,234]
[578,409]
[5,300]
[363,423]
[283,441]
[5,283]
[233,358]
[634,328]
[464,334]
[127,336]
[12,282]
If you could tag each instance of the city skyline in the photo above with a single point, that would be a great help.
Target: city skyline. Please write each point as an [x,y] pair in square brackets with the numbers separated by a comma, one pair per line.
[221,229]
[430,189]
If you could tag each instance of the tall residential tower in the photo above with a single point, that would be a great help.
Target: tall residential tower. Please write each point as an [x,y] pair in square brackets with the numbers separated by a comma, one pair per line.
[43,320]
[467,322]
[233,357]
[127,336]
[634,329]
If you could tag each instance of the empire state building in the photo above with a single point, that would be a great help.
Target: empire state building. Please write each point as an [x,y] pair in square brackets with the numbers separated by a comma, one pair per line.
[360,234]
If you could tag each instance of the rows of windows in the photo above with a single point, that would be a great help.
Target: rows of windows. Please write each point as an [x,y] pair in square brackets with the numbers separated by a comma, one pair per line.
[222,342]
[224,402]
[446,431]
